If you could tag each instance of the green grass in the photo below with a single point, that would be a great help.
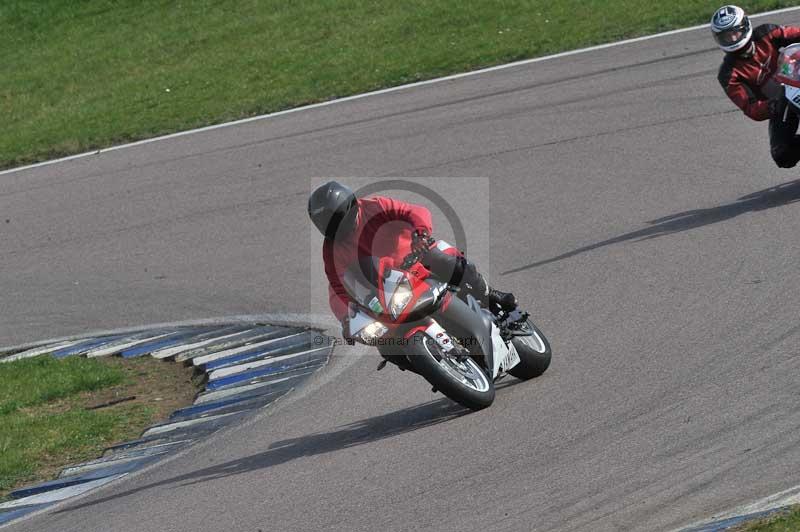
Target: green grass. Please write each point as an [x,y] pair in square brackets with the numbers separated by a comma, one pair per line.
[44,422]
[39,417]
[788,521]
[82,75]
[35,381]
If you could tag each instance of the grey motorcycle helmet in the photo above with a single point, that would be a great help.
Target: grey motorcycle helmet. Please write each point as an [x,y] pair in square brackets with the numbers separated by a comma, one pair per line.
[333,209]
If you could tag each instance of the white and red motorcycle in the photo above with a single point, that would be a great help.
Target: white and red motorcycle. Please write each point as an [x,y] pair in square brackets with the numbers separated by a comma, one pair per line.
[419,324]
[789,75]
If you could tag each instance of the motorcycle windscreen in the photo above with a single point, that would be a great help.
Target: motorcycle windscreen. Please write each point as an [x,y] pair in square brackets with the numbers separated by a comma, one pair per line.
[361,280]
[789,66]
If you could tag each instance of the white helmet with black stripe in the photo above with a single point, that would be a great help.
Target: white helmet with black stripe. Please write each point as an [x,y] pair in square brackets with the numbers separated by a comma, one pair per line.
[731,28]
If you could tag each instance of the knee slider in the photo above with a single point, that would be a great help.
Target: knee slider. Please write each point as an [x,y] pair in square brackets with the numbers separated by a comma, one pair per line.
[784,158]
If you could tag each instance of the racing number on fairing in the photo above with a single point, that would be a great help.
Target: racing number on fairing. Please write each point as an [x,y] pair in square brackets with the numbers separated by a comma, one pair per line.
[793,95]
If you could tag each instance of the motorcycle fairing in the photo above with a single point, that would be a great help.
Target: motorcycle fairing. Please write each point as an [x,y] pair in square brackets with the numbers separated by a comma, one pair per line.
[502,356]
[373,282]
[358,320]
[360,280]
[793,95]
[788,68]
[506,356]
[427,293]
[467,320]
[390,281]
[788,73]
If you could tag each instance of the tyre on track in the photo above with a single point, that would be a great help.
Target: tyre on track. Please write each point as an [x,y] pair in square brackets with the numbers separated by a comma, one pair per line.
[464,382]
[534,353]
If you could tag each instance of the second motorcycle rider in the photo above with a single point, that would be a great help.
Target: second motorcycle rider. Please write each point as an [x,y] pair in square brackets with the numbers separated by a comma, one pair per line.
[747,76]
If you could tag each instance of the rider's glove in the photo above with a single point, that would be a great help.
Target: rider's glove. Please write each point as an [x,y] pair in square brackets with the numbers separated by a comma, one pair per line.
[421,241]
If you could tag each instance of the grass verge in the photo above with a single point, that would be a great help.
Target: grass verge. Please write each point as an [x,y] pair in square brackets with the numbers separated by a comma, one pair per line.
[83,75]
[783,521]
[46,416]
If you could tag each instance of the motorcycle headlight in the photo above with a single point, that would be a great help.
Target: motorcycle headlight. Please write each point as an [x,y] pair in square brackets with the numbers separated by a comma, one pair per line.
[372,332]
[400,298]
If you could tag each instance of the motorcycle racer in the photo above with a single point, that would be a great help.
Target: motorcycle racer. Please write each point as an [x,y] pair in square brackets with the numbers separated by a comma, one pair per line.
[747,76]
[381,226]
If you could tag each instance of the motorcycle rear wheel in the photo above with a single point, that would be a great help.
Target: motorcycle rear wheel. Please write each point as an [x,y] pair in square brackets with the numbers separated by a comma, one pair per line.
[465,382]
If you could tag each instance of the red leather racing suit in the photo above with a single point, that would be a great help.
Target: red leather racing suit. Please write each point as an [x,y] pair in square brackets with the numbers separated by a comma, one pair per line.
[383,229]
[748,80]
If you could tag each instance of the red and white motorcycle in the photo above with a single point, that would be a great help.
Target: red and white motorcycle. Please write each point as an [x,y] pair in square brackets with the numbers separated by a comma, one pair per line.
[789,75]
[458,346]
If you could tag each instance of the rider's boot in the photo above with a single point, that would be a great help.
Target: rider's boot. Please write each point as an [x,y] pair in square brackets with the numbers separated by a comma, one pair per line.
[503,300]
[494,300]
[459,271]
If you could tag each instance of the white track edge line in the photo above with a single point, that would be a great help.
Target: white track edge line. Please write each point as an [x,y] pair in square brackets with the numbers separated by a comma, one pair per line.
[780,499]
[383,91]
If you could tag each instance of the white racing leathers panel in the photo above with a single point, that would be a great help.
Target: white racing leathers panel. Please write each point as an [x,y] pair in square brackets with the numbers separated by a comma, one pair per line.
[793,95]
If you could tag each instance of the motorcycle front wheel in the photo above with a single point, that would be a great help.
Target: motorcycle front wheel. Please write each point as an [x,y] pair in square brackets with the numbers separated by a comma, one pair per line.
[459,378]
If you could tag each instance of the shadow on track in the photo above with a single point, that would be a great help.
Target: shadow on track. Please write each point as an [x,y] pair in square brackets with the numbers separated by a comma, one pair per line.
[365,431]
[769,198]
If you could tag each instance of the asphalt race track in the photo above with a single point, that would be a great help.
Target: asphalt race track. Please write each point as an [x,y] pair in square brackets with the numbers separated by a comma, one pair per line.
[635,209]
